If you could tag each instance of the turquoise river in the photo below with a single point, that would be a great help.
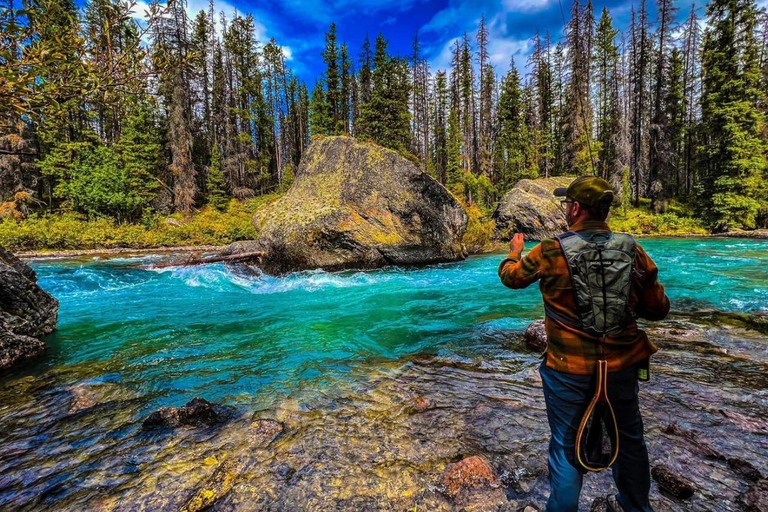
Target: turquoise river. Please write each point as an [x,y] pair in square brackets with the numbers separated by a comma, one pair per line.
[337,358]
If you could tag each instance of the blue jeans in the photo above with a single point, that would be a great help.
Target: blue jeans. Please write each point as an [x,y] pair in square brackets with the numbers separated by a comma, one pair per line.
[567,397]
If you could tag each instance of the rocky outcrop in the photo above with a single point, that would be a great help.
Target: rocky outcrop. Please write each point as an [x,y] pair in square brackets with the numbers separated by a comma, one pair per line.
[357,205]
[27,312]
[196,413]
[532,209]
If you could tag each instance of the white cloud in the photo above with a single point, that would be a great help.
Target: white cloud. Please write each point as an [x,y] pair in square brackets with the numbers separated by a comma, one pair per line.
[458,19]
[525,5]
[139,10]
[287,53]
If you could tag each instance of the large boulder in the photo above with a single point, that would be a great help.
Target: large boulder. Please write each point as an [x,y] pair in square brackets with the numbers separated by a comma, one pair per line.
[27,312]
[357,205]
[532,209]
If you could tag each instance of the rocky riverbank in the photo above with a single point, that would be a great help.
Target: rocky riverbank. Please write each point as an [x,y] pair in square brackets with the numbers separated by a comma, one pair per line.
[27,312]
[460,430]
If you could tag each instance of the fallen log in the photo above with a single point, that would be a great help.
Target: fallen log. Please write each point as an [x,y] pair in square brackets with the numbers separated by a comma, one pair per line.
[194,260]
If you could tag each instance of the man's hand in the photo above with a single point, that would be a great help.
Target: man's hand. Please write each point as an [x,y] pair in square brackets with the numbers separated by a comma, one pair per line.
[517,242]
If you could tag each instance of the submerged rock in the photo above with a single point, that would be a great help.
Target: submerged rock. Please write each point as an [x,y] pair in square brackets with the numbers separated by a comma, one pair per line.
[357,205]
[535,336]
[265,431]
[532,209]
[196,413]
[472,476]
[215,487]
[671,483]
[27,312]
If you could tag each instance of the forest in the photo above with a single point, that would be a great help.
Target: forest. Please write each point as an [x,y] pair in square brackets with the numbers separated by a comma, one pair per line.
[106,117]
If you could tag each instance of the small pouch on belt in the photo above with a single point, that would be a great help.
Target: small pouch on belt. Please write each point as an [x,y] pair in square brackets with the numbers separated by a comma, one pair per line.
[597,440]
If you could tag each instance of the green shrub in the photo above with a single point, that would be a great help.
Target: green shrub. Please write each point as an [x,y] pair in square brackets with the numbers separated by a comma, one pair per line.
[642,221]
[68,231]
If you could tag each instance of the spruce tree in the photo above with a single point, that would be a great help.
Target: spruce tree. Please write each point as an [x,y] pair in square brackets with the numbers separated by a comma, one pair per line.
[733,166]
[320,119]
[513,147]
[216,185]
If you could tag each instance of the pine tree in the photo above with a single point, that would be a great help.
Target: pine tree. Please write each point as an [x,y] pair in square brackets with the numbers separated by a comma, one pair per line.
[513,147]
[333,90]
[734,163]
[345,93]
[385,119]
[691,88]
[439,126]
[453,151]
[639,65]
[606,61]
[216,185]
[674,127]
[660,156]
[577,117]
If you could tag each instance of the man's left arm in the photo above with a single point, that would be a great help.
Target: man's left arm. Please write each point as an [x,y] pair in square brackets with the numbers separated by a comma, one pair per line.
[517,271]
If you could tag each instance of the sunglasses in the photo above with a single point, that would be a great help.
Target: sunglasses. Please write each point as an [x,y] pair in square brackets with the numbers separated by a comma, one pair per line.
[565,202]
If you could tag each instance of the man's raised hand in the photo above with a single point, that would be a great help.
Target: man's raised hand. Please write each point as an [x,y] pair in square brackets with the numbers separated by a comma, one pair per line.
[517,242]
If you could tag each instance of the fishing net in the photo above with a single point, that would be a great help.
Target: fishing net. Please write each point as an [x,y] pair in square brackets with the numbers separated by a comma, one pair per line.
[597,440]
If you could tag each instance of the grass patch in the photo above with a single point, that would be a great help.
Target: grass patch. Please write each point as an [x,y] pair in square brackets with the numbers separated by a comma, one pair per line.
[640,220]
[70,231]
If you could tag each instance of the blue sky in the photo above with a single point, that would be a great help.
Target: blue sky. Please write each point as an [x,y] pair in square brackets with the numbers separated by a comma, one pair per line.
[299,25]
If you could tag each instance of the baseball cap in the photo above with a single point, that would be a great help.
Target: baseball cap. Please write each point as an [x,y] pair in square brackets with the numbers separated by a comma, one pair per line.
[588,191]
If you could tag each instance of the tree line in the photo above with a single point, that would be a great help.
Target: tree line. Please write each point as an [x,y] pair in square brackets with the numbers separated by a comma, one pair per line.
[109,117]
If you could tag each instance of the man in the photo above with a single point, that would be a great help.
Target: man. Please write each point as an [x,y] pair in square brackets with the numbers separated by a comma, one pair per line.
[569,368]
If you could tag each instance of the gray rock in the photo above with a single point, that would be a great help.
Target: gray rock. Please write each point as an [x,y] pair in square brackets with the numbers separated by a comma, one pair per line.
[27,312]
[672,483]
[532,209]
[745,468]
[535,336]
[755,499]
[198,412]
[357,205]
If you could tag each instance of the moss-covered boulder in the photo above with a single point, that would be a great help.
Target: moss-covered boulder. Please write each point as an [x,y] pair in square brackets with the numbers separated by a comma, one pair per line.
[27,312]
[357,205]
[532,209]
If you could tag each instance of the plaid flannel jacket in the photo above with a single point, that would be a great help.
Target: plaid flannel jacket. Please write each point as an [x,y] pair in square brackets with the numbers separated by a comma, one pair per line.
[569,349]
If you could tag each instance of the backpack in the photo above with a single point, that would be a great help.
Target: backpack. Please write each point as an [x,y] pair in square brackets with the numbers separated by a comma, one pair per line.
[601,268]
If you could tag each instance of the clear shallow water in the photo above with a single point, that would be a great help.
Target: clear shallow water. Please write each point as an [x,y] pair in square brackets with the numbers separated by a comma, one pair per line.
[171,333]
[380,380]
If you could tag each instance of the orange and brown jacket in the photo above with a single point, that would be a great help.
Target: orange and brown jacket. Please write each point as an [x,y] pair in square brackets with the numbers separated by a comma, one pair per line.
[569,349]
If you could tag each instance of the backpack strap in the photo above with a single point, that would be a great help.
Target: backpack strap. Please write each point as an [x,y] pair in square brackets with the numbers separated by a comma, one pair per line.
[550,312]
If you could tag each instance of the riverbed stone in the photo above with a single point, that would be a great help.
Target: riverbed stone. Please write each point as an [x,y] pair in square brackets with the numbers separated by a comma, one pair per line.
[535,336]
[672,483]
[532,209]
[264,431]
[215,487]
[357,205]
[198,412]
[27,312]
[470,479]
